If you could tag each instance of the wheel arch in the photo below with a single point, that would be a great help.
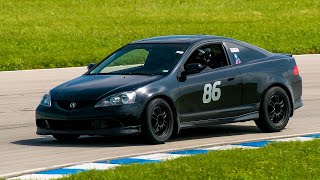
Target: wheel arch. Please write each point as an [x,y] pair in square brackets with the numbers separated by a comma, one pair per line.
[286,89]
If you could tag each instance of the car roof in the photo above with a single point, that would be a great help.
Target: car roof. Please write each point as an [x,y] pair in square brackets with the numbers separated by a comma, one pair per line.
[191,39]
[185,39]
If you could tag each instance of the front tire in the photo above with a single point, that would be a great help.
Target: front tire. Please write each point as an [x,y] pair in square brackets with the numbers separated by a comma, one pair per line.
[66,137]
[158,122]
[275,110]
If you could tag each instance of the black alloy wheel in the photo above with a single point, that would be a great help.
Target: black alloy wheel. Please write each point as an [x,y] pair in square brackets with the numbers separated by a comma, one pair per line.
[158,122]
[275,110]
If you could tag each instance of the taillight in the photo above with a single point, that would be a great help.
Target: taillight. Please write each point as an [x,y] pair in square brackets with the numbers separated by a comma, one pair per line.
[295,70]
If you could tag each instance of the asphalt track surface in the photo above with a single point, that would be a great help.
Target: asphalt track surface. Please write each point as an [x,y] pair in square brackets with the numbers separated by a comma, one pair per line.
[22,150]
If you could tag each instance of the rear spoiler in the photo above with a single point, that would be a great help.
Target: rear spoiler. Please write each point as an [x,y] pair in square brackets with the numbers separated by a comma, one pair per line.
[284,54]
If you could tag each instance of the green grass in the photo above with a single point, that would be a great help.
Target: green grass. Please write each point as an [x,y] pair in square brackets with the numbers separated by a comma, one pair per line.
[55,33]
[294,160]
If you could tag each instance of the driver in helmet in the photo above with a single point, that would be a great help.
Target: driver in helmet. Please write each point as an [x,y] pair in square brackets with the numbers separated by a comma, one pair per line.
[205,58]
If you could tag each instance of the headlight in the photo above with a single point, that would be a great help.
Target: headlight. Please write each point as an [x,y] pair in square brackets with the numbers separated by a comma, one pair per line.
[46,100]
[118,99]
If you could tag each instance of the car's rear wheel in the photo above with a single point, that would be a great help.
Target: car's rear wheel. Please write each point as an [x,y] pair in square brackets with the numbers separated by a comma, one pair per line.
[66,137]
[275,110]
[158,122]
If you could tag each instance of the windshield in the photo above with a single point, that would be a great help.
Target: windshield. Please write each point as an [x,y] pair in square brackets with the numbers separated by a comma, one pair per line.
[142,59]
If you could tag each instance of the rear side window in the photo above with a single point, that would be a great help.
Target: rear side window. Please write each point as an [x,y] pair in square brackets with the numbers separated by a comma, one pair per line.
[242,54]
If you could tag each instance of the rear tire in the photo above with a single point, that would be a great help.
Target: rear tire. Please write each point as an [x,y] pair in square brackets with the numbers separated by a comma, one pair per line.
[66,137]
[158,124]
[274,111]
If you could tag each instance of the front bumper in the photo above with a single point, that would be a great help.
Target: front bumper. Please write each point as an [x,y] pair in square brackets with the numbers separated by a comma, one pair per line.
[115,120]
[108,131]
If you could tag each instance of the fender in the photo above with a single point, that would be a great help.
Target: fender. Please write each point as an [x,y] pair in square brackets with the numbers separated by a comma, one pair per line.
[170,93]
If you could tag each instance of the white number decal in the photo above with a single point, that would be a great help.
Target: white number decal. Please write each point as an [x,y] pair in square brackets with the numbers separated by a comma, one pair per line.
[211,92]
[207,93]
[216,92]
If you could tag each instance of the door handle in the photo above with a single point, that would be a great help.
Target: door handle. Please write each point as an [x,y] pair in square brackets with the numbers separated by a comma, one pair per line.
[231,79]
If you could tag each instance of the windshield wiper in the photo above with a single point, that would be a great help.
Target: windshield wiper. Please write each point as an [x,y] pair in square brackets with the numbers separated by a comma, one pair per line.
[100,74]
[136,73]
[128,73]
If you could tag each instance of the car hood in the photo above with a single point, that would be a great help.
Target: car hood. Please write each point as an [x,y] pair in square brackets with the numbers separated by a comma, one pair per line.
[94,87]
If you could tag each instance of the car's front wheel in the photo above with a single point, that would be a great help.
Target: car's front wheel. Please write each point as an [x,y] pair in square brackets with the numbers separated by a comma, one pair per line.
[158,121]
[275,110]
[65,137]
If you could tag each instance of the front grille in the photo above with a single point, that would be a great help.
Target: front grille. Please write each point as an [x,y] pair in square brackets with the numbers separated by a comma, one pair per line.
[71,125]
[66,105]
[77,124]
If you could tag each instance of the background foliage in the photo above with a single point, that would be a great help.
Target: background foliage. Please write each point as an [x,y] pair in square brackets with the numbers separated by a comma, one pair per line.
[55,33]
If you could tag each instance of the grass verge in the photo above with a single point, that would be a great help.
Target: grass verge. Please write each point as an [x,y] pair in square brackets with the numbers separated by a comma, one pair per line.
[54,33]
[292,160]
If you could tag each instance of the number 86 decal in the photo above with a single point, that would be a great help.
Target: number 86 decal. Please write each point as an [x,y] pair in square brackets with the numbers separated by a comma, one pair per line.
[211,92]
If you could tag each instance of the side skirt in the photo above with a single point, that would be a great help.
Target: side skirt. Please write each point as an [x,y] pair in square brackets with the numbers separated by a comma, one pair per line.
[202,123]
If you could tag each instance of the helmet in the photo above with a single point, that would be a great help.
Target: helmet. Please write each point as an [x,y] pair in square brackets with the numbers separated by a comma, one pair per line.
[204,56]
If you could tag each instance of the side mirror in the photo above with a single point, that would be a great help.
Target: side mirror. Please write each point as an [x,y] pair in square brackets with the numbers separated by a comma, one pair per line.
[193,68]
[90,66]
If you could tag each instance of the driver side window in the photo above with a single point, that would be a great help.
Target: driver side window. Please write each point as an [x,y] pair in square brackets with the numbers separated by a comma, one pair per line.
[208,57]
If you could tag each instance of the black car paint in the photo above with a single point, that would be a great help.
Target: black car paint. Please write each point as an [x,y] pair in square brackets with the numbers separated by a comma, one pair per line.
[243,86]
[93,87]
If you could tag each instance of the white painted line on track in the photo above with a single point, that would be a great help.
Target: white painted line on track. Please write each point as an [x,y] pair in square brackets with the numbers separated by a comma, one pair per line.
[294,139]
[91,166]
[159,156]
[38,176]
[228,147]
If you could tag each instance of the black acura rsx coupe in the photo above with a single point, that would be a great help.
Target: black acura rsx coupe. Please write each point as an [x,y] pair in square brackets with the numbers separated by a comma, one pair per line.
[157,86]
